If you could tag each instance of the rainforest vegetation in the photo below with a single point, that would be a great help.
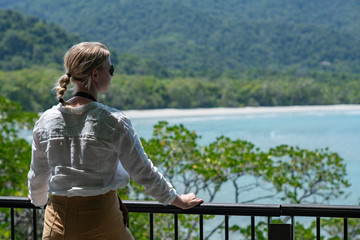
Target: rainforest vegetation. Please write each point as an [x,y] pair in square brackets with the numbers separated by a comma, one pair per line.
[283,173]
[189,54]
[31,61]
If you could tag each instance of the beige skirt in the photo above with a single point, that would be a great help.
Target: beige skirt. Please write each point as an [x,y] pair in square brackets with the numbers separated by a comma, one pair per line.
[95,217]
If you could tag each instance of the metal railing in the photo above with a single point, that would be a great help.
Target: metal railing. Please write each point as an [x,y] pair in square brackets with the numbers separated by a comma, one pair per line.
[226,210]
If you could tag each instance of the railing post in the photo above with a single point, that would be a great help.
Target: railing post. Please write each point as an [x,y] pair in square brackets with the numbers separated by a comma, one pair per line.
[252,228]
[226,227]
[345,228]
[201,226]
[176,226]
[12,223]
[292,228]
[318,234]
[269,222]
[34,224]
[151,226]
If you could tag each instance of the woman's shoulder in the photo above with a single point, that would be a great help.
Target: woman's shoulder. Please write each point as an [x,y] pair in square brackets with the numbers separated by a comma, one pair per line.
[50,113]
[48,118]
[114,115]
[111,111]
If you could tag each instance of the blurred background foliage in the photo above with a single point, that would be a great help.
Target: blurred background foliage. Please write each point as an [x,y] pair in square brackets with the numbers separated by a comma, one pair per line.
[212,35]
[188,54]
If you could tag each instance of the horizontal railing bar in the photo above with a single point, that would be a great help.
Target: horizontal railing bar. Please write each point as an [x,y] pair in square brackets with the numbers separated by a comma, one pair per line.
[15,202]
[315,210]
[306,210]
[207,209]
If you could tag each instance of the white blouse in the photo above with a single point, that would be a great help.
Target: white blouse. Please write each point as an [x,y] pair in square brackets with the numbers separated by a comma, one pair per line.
[90,150]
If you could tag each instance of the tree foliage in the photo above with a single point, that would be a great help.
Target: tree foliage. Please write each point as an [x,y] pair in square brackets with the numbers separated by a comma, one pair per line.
[150,83]
[32,89]
[284,173]
[14,150]
[209,35]
[246,89]
[15,153]
[25,41]
[165,60]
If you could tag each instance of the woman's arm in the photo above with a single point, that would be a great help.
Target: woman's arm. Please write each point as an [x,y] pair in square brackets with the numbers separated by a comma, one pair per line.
[142,171]
[38,175]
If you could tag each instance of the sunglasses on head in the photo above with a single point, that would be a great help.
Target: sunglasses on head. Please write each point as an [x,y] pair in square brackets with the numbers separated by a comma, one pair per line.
[111,70]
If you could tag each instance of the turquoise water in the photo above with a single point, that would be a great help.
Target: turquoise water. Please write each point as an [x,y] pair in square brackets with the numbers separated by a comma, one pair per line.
[339,130]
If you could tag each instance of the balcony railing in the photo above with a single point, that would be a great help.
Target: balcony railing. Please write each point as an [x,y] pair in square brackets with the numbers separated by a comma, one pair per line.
[226,210]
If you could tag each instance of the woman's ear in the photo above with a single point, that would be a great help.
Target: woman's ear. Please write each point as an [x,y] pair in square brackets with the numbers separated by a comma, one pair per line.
[94,74]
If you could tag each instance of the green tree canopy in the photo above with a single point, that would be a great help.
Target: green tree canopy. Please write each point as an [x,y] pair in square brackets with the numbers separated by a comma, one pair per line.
[15,152]
[25,41]
[284,173]
[211,35]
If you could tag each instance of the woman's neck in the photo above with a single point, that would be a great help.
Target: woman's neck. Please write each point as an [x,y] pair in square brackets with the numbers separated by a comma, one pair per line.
[91,92]
[78,101]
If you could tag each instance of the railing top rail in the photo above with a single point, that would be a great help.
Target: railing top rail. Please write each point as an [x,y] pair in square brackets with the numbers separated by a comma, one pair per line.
[207,208]
[316,210]
[15,202]
[309,210]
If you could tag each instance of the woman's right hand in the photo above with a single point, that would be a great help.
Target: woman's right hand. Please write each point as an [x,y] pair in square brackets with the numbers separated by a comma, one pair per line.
[187,201]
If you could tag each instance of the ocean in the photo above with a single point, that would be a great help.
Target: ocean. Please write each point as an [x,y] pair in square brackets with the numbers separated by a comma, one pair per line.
[310,127]
[336,127]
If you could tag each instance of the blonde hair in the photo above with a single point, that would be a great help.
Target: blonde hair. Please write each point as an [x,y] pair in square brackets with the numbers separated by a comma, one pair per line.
[79,61]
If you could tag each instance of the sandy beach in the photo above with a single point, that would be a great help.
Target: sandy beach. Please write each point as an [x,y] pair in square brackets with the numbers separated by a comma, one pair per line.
[171,112]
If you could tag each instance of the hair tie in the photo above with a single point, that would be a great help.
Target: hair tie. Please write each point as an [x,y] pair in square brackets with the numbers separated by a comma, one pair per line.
[68,74]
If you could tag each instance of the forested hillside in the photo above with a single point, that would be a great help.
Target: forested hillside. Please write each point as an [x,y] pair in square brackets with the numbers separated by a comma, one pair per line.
[25,41]
[31,53]
[211,35]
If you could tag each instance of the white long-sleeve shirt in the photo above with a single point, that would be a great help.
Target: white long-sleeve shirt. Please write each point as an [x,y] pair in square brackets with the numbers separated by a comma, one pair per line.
[89,150]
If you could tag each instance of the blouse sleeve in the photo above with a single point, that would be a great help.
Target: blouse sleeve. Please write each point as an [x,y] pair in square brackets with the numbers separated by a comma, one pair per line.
[140,167]
[39,175]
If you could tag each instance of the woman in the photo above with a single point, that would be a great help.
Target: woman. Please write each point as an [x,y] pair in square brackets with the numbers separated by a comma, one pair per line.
[83,151]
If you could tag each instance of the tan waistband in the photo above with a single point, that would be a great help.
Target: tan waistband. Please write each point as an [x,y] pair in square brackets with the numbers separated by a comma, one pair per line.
[85,202]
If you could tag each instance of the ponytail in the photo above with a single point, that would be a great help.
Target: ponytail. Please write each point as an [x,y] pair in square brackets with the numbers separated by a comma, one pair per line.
[62,87]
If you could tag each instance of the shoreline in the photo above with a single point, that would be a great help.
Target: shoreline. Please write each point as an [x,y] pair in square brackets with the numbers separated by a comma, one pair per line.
[201,112]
